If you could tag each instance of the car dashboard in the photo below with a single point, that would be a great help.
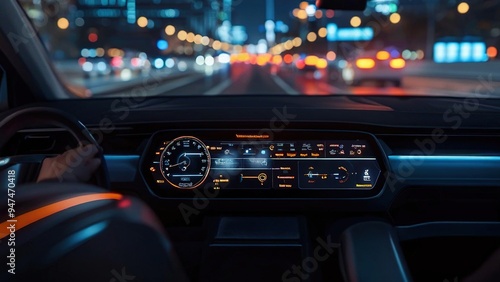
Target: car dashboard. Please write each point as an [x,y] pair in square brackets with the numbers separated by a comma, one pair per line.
[241,180]
[249,164]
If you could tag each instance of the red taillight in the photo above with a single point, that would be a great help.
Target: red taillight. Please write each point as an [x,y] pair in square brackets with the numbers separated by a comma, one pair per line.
[300,64]
[135,62]
[117,62]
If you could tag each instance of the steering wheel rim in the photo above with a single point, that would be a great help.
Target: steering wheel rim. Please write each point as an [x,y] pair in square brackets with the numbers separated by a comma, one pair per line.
[42,116]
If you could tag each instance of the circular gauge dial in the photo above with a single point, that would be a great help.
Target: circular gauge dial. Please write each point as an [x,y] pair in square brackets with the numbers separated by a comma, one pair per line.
[185,162]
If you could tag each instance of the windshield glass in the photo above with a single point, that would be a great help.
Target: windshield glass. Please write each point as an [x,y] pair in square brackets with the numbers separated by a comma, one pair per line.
[227,47]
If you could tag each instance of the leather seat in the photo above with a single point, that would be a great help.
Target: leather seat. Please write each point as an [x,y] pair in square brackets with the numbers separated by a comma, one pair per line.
[79,232]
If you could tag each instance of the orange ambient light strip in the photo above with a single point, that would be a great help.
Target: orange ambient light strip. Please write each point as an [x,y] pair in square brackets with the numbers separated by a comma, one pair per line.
[48,210]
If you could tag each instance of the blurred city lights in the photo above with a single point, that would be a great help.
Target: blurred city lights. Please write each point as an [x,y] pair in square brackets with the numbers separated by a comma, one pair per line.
[365,63]
[463,8]
[321,63]
[209,60]
[151,24]
[318,14]
[386,8]
[451,52]
[301,14]
[277,59]
[288,58]
[87,66]
[406,54]
[355,21]
[303,5]
[63,23]
[79,22]
[342,64]
[182,35]
[197,39]
[311,60]
[331,56]
[93,37]
[310,10]
[395,18]
[85,52]
[117,62]
[162,44]
[263,59]
[288,45]
[205,40]
[300,64]
[126,74]
[322,32]
[182,66]
[311,36]
[170,30]
[169,63]
[383,55]
[100,52]
[158,63]
[492,52]
[115,52]
[224,58]
[420,54]
[101,66]
[397,63]
[297,41]
[190,37]
[135,62]
[200,60]
[142,22]
[216,45]
[330,14]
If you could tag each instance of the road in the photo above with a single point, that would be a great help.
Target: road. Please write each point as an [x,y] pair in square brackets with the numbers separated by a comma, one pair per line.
[244,79]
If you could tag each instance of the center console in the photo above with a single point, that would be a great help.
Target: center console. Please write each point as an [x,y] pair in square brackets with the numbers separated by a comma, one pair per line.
[246,164]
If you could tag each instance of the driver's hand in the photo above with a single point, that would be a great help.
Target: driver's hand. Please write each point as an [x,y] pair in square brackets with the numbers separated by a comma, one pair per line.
[72,166]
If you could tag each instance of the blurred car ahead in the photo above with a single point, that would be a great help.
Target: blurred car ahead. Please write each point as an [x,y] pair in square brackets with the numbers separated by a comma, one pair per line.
[312,66]
[375,66]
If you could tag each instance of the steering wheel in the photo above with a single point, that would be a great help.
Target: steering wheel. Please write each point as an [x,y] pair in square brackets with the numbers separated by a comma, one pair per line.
[29,165]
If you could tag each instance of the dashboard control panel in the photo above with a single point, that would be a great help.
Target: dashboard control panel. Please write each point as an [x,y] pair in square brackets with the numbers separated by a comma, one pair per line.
[247,164]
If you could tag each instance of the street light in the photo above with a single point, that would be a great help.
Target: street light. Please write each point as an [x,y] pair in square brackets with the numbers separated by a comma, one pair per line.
[356,21]
[395,18]
[142,22]
[63,23]
[182,35]
[170,30]
[322,32]
[463,8]
[311,36]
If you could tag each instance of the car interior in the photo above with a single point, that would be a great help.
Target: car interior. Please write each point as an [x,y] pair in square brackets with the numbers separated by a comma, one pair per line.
[244,187]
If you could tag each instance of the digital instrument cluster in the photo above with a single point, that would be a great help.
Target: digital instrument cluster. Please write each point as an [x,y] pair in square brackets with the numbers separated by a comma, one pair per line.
[254,162]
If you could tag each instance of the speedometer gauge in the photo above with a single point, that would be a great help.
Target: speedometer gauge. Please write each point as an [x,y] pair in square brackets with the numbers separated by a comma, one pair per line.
[185,162]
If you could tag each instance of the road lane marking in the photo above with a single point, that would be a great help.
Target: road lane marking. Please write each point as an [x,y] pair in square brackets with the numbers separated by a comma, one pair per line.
[216,90]
[283,85]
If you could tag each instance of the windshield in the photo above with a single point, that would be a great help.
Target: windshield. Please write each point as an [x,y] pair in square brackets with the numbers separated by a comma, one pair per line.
[227,47]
